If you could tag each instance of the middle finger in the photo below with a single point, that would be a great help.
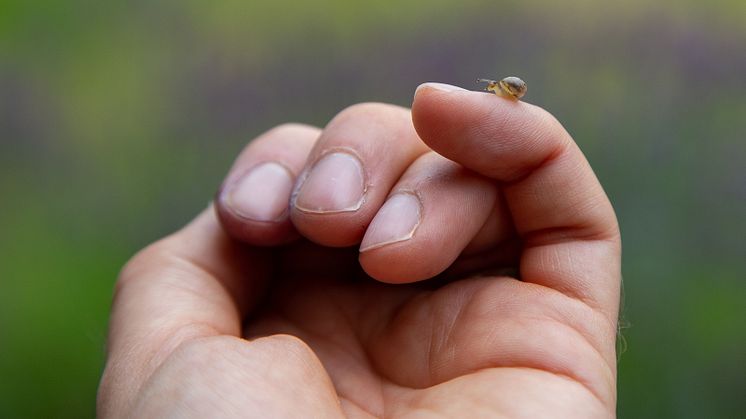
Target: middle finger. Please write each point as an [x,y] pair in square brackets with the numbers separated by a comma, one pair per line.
[360,155]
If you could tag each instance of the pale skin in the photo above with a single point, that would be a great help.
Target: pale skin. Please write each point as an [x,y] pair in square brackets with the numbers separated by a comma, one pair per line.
[236,317]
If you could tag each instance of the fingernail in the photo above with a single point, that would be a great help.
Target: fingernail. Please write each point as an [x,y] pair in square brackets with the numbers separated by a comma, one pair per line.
[439,86]
[262,194]
[336,183]
[396,221]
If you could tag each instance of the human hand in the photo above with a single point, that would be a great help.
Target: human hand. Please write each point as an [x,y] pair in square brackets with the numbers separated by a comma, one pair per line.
[274,325]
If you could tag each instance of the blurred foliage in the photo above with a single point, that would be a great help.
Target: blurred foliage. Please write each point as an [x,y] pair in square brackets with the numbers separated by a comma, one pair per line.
[118,120]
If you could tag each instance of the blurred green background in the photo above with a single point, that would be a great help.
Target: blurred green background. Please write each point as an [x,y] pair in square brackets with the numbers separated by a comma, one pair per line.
[119,119]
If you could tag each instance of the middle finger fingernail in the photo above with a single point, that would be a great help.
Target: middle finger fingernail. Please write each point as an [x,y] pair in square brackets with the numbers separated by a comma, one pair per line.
[336,183]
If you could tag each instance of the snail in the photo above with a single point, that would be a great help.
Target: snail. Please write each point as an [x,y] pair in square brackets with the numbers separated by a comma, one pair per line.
[511,87]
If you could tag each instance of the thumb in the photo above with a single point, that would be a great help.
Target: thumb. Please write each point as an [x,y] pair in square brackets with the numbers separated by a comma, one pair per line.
[196,283]
[560,211]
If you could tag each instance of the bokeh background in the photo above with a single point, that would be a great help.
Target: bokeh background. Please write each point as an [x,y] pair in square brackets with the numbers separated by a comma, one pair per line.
[119,119]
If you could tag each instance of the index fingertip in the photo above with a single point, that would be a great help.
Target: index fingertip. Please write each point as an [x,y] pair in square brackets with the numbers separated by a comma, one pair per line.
[441,87]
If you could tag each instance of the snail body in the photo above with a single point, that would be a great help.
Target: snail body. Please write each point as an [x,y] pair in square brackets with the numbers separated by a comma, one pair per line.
[510,87]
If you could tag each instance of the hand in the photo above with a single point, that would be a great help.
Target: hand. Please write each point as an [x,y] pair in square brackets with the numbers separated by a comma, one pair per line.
[280,321]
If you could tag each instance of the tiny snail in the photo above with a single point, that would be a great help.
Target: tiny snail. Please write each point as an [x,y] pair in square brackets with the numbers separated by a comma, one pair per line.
[511,87]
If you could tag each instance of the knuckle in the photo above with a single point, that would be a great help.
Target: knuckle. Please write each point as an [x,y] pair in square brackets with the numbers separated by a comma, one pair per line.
[149,257]
[290,343]
[192,358]
[201,349]
[297,356]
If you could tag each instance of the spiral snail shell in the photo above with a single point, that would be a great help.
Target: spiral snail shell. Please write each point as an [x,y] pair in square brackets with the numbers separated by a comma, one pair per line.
[512,87]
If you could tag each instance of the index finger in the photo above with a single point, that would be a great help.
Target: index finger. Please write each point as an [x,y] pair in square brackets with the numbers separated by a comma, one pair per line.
[560,211]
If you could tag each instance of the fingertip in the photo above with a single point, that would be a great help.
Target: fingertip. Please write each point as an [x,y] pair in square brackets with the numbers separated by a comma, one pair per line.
[436,106]
[440,87]
[498,137]
[434,211]
[399,263]
[429,96]
[332,230]
[253,232]
[253,207]
[253,202]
